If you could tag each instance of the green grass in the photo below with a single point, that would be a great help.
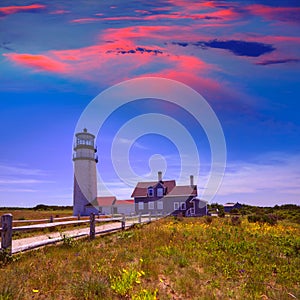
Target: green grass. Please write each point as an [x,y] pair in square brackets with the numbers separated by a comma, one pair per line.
[168,259]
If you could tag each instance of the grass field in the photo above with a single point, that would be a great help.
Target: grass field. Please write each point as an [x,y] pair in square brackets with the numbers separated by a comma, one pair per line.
[184,258]
[31,214]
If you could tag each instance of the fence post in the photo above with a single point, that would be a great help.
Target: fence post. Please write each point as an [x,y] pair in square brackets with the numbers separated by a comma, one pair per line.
[6,233]
[92,226]
[140,219]
[51,219]
[78,217]
[149,216]
[123,222]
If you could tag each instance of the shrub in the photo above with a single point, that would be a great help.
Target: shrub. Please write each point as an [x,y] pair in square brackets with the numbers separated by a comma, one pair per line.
[5,257]
[123,283]
[253,218]
[236,220]
[222,214]
[270,218]
[68,241]
[208,219]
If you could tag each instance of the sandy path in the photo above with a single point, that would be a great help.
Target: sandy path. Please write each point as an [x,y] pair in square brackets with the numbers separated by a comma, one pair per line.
[50,238]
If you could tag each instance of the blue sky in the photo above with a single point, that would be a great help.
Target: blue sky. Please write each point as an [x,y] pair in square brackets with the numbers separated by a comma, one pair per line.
[243,57]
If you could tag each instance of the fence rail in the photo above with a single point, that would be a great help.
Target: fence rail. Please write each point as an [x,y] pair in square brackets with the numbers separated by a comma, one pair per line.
[7,229]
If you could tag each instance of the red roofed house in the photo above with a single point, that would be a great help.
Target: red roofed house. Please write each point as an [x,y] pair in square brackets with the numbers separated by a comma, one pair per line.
[110,205]
[164,197]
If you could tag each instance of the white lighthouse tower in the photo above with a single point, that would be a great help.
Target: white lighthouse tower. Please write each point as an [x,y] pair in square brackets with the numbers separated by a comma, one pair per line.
[85,176]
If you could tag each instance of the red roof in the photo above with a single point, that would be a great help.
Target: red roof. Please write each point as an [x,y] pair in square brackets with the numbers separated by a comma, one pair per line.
[124,202]
[141,189]
[106,201]
[183,190]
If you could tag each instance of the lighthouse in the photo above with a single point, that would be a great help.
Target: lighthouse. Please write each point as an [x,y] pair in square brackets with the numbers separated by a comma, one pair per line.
[85,175]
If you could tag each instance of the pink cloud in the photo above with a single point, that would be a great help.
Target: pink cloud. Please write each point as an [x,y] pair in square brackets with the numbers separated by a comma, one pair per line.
[103,62]
[158,33]
[8,10]
[85,20]
[59,12]
[96,62]
[220,16]
[38,62]
[285,14]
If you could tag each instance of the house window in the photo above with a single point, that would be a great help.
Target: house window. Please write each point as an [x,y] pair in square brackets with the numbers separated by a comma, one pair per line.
[176,205]
[182,205]
[160,192]
[141,205]
[150,192]
[151,205]
[160,205]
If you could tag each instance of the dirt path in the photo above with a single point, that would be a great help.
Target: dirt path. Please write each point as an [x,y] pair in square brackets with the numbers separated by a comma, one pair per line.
[51,238]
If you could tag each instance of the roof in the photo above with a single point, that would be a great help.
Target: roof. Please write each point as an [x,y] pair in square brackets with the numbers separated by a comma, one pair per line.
[124,202]
[230,204]
[198,199]
[110,201]
[106,201]
[183,190]
[141,187]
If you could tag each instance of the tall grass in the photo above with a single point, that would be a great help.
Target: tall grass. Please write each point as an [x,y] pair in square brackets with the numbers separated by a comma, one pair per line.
[168,259]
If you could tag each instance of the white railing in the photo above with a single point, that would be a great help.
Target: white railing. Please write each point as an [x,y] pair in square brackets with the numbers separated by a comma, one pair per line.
[119,223]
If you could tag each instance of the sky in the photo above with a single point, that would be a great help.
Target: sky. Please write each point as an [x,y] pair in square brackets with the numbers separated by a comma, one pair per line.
[242,57]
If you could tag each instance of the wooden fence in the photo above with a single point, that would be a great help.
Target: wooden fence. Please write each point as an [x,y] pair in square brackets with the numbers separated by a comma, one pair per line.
[7,227]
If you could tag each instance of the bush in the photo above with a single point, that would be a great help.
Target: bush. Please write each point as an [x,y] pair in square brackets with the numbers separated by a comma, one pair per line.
[270,218]
[208,219]
[221,214]
[236,220]
[253,218]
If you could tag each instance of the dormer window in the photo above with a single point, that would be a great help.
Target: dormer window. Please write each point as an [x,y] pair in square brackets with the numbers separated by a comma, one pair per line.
[160,192]
[150,192]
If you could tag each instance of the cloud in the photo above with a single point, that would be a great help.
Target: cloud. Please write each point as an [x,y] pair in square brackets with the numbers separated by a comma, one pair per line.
[283,14]
[108,54]
[8,10]
[178,11]
[14,176]
[237,47]
[17,190]
[137,50]
[22,181]
[130,142]
[19,170]
[59,12]
[85,20]
[241,48]
[38,62]
[278,61]
[273,174]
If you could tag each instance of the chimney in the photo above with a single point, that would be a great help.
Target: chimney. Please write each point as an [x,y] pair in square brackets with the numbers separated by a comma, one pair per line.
[159,176]
[192,180]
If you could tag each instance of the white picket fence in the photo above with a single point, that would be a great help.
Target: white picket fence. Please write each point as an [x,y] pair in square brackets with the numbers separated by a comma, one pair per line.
[7,228]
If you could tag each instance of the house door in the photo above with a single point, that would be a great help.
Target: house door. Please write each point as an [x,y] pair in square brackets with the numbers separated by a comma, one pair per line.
[191,211]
